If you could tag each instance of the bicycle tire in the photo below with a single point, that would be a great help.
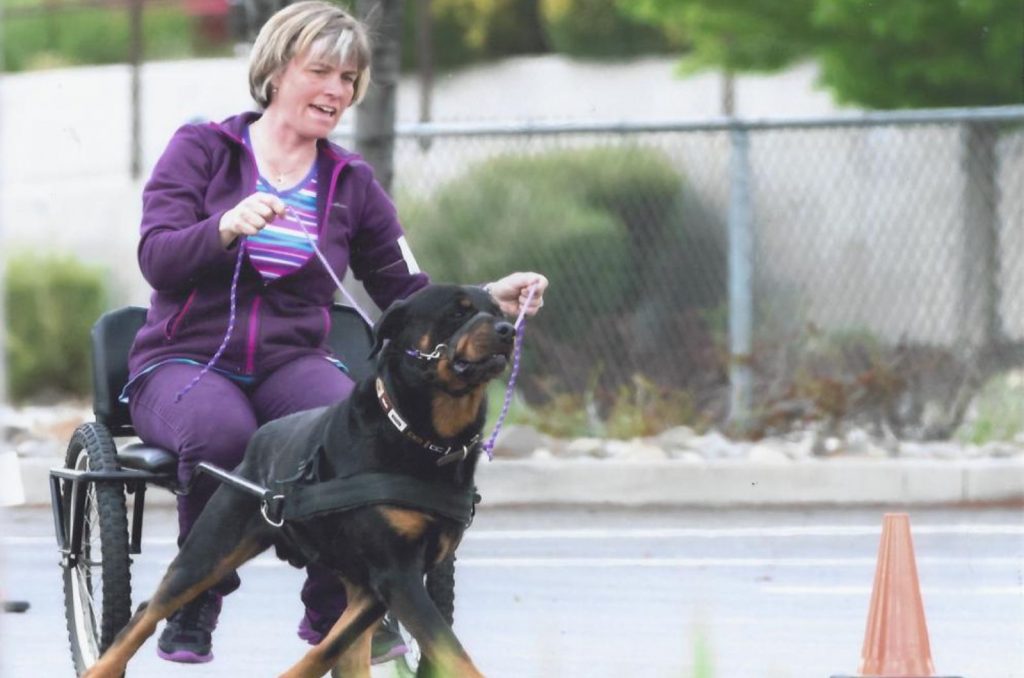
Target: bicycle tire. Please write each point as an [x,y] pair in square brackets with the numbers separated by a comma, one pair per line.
[92,624]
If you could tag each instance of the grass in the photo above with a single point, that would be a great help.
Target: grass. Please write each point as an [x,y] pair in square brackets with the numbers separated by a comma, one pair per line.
[997,413]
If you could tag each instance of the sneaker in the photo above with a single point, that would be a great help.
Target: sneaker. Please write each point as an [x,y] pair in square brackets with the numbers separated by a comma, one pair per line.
[186,637]
[387,642]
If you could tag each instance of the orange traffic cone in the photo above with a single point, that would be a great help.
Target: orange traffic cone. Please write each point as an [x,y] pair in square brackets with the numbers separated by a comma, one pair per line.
[896,641]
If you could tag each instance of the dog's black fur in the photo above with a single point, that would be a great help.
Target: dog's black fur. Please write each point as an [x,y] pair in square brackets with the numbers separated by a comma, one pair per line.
[380,551]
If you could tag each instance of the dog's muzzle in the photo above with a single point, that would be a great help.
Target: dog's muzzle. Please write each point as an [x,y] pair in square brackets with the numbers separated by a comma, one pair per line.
[488,355]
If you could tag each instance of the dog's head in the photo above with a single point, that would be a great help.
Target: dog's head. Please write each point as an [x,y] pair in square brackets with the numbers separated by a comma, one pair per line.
[455,336]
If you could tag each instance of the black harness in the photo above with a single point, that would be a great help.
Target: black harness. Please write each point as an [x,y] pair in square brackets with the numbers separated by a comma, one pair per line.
[304,501]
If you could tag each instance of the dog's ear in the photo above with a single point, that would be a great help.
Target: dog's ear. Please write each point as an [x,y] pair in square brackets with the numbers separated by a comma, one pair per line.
[388,325]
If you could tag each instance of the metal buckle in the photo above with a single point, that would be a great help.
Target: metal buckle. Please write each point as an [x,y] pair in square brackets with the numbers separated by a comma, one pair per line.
[264,505]
[433,355]
[452,457]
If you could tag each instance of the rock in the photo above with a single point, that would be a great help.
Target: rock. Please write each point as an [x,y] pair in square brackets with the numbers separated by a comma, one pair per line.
[1001,450]
[638,450]
[582,447]
[678,437]
[518,442]
[857,441]
[714,445]
[945,450]
[803,447]
[768,453]
[685,456]
[542,453]
[914,450]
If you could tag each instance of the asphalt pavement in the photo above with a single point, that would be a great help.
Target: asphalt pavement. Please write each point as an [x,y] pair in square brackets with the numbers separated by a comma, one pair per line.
[552,592]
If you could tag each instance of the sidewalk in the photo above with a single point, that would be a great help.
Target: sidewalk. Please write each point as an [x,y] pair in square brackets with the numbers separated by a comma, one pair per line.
[719,483]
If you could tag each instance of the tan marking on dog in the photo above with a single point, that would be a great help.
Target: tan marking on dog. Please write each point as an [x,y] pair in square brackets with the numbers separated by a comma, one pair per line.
[407,523]
[446,545]
[425,344]
[354,660]
[453,661]
[451,415]
[448,376]
[144,622]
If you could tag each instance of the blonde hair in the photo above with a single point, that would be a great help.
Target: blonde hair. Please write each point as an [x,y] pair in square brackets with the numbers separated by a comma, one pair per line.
[311,24]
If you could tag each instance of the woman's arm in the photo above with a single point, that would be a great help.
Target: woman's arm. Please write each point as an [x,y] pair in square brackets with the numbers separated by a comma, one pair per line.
[380,256]
[178,239]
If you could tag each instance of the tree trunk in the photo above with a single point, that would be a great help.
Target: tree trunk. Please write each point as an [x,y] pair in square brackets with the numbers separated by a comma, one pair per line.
[375,116]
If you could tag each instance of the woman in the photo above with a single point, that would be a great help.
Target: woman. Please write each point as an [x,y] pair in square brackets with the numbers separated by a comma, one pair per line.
[235,334]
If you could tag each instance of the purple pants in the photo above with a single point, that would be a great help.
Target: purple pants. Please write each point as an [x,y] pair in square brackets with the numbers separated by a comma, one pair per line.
[214,421]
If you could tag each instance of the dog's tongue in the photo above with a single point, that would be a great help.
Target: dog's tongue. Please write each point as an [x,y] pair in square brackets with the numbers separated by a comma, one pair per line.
[462,366]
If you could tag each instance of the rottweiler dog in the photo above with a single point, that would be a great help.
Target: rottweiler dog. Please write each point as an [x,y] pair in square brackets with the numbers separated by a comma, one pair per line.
[417,422]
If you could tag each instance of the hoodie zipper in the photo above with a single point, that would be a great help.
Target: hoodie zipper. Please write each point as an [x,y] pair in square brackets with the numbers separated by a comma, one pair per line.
[175,323]
[254,310]
[252,334]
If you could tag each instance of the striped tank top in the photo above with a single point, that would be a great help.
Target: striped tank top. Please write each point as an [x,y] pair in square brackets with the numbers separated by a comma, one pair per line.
[282,247]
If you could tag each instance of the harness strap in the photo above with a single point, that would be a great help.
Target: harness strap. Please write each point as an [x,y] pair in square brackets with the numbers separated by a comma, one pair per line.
[365,489]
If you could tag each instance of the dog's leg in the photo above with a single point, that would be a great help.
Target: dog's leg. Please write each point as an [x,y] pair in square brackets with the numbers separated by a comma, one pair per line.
[228,533]
[347,645]
[442,655]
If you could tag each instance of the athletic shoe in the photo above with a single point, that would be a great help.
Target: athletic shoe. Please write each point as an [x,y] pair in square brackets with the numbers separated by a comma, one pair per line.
[387,642]
[186,637]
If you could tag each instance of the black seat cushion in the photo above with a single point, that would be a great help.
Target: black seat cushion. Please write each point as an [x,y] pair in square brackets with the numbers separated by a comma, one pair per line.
[143,457]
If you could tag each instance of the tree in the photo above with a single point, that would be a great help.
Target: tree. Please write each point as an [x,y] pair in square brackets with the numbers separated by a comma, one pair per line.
[375,116]
[874,53]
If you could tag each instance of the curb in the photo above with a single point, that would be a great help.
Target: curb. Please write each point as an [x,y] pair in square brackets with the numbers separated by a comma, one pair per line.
[714,484]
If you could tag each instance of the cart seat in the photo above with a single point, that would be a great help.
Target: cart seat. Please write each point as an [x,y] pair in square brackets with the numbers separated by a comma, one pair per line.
[143,457]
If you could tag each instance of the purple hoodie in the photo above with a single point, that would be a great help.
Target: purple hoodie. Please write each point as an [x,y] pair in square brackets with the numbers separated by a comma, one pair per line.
[205,171]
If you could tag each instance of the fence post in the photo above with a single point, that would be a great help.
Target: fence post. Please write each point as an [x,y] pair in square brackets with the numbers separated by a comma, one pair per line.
[375,116]
[741,293]
[979,290]
[3,250]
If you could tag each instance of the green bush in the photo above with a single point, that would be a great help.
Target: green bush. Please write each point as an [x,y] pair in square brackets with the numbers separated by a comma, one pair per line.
[51,305]
[599,29]
[92,36]
[467,31]
[607,228]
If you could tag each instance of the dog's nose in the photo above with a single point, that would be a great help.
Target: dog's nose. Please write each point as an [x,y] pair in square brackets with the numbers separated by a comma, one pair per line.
[505,330]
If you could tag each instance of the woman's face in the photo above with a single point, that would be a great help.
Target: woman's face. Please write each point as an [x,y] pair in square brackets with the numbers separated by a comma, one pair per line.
[312,93]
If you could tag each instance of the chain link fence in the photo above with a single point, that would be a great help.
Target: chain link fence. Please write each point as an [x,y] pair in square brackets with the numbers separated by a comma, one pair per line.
[758,275]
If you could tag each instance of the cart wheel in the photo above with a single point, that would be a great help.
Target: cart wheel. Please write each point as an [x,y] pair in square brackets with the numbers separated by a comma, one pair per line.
[97,588]
[441,589]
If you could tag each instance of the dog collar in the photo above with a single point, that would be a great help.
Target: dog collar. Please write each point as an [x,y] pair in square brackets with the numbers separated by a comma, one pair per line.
[446,455]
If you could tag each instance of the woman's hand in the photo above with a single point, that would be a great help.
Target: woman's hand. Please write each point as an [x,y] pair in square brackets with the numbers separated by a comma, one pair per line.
[512,291]
[249,216]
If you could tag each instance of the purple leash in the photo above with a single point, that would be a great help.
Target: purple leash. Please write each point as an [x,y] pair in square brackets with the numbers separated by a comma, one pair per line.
[520,327]
[227,335]
[510,389]
[234,295]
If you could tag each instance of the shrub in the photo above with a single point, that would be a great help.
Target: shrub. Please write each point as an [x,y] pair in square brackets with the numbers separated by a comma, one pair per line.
[467,31]
[997,413]
[51,305]
[92,36]
[606,227]
[599,29]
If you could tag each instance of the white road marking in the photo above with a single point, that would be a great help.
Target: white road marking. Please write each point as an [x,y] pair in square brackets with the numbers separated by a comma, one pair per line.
[585,562]
[780,532]
[863,591]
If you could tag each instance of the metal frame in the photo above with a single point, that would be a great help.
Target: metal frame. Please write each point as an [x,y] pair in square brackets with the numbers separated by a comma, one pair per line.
[70,544]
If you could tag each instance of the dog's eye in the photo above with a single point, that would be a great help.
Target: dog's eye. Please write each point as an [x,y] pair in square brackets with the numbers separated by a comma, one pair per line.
[462,311]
